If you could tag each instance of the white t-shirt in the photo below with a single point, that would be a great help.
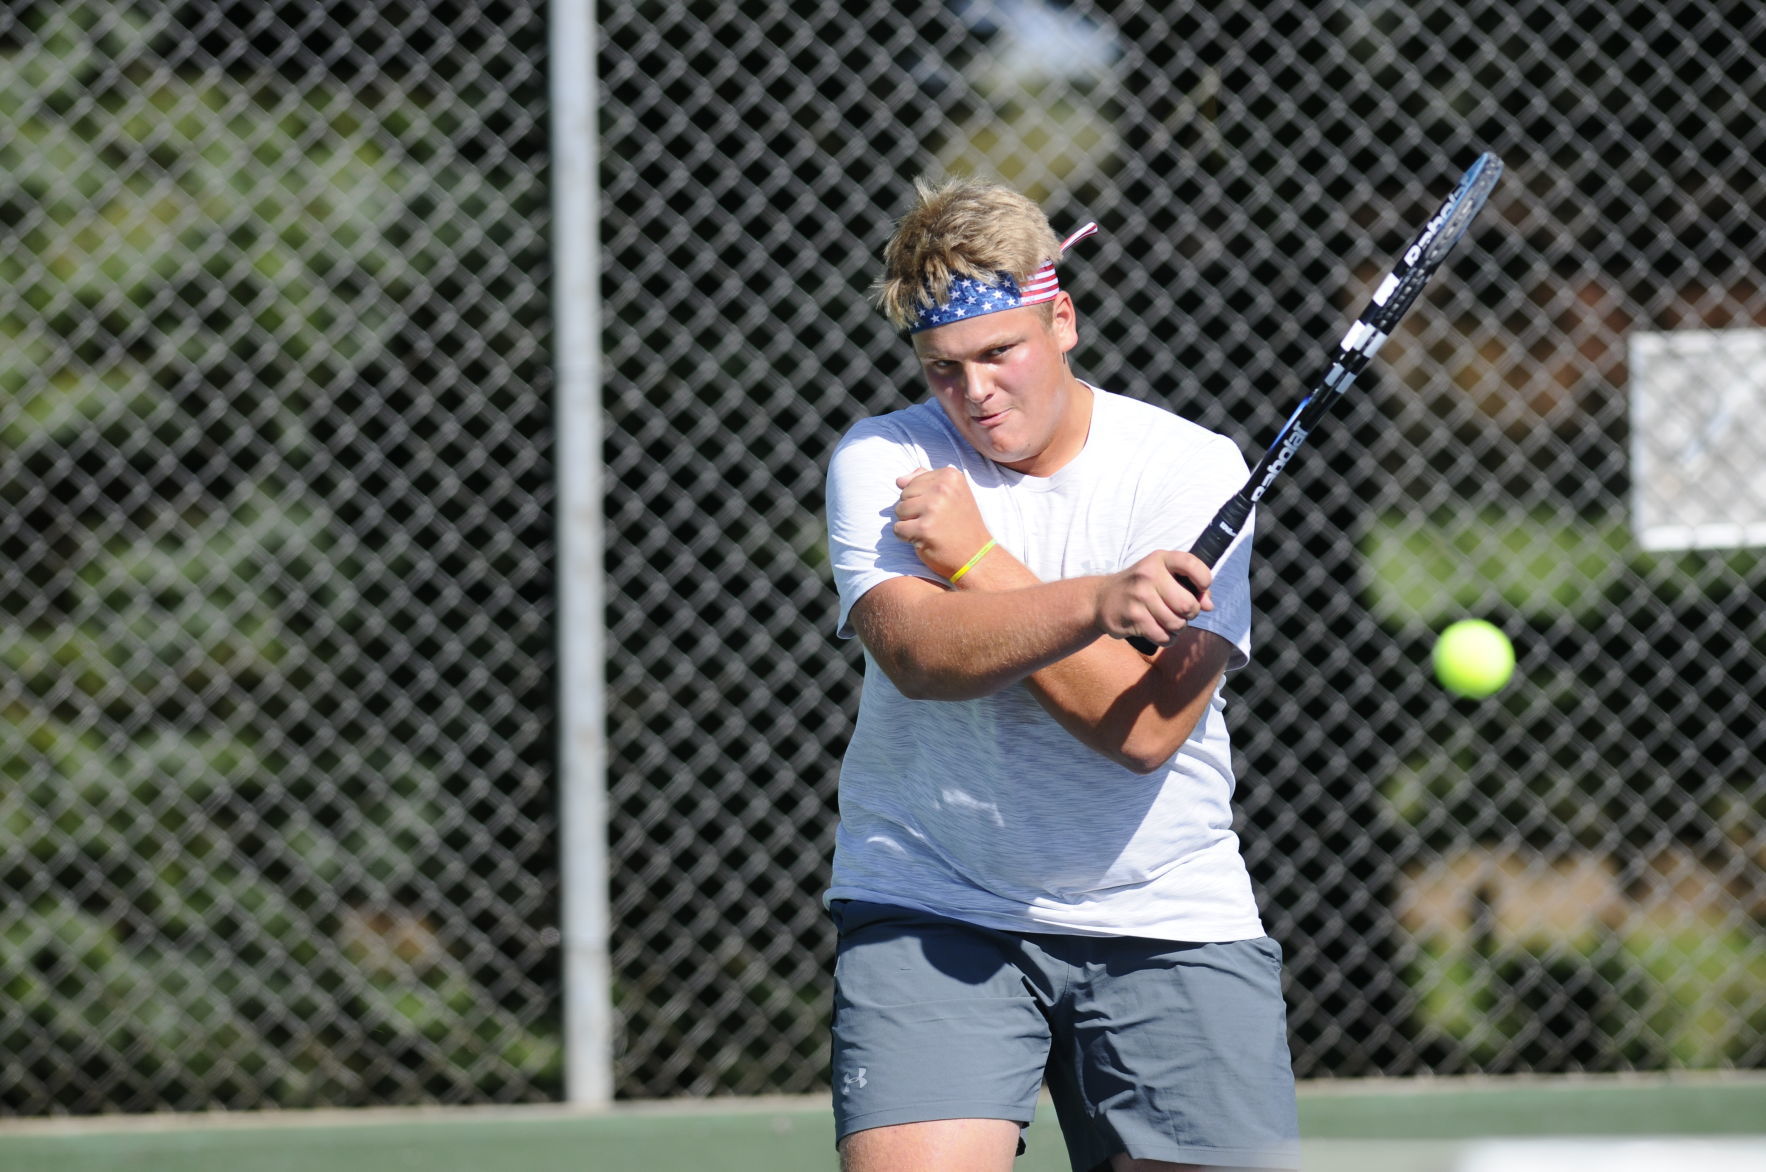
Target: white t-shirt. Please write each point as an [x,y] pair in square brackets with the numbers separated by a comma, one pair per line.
[987,810]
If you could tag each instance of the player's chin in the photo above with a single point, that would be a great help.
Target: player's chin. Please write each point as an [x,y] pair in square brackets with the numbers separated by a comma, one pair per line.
[1000,445]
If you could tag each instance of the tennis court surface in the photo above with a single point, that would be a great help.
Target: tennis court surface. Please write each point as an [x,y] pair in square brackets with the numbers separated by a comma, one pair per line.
[1704,1122]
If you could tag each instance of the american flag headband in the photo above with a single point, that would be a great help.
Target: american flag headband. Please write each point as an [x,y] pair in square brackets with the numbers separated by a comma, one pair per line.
[974,296]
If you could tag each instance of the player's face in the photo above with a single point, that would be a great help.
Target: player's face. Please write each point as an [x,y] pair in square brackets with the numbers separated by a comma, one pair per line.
[1003,380]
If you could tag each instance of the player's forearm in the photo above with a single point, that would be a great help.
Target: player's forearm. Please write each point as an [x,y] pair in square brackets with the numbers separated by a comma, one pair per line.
[1137,716]
[1108,696]
[962,645]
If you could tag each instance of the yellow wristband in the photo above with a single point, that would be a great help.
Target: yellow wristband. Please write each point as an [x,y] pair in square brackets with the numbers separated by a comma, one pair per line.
[970,564]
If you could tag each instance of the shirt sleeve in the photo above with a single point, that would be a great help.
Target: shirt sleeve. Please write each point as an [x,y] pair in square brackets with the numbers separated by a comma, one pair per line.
[861,494]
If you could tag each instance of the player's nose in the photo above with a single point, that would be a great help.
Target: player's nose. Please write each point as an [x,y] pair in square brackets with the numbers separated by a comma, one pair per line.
[976,385]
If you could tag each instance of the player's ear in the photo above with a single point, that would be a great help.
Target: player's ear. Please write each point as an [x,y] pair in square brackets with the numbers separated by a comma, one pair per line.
[1064,321]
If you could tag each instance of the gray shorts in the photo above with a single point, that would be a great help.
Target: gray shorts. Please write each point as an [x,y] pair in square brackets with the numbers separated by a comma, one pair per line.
[1162,1050]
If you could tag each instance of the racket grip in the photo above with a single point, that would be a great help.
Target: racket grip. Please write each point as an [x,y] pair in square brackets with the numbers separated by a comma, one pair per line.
[1221,532]
[1146,646]
[1228,523]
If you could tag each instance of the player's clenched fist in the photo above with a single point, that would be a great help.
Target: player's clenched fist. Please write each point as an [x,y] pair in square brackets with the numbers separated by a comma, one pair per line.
[1155,598]
[936,514]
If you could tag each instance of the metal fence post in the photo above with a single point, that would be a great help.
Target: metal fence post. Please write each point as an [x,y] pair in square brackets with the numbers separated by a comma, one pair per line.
[582,750]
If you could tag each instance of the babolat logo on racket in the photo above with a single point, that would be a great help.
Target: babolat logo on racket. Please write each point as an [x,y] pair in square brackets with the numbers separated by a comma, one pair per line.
[1415,251]
[1291,444]
[1427,236]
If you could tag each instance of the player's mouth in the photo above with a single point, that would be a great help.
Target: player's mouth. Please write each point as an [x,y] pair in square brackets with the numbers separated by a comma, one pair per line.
[990,421]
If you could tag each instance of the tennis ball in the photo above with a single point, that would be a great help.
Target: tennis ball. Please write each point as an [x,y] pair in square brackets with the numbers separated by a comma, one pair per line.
[1473,659]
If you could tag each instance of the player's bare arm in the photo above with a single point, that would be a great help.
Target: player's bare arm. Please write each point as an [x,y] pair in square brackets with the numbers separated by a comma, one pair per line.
[1152,599]
[939,644]
[1134,709]
[1004,625]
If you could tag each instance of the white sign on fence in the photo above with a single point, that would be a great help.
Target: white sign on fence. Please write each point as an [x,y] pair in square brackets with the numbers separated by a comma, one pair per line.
[1698,438]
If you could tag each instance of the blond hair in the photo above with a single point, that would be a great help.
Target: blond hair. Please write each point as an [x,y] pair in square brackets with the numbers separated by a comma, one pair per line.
[960,228]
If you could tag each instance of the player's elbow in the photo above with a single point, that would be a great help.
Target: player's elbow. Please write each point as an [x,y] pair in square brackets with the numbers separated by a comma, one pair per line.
[1143,760]
[899,644]
[914,685]
[1137,744]
[1147,750]
[921,683]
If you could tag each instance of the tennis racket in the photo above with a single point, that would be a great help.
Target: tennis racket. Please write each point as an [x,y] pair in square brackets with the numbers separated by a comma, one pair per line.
[1391,299]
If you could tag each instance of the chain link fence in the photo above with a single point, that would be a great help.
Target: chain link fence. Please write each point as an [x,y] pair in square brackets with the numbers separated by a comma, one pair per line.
[275,809]
[1567,876]
[276,790]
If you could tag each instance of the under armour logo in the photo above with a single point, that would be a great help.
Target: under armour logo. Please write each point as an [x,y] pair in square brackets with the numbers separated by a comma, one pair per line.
[853,1080]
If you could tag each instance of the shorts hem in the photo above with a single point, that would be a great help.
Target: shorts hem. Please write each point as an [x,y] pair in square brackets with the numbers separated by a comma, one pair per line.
[845,1125]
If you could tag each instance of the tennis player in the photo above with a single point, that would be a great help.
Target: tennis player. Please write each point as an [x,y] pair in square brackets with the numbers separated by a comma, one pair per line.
[1035,874]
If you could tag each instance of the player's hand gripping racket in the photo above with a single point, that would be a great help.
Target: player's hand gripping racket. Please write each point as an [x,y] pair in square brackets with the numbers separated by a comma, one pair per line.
[1395,295]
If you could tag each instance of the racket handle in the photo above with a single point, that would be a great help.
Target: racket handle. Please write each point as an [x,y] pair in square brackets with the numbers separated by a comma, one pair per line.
[1228,523]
